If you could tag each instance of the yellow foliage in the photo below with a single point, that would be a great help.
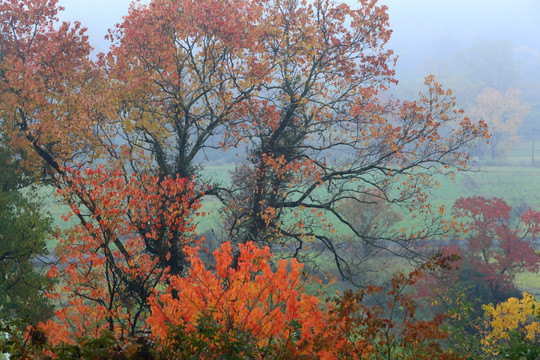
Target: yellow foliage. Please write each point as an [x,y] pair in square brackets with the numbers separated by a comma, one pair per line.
[514,314]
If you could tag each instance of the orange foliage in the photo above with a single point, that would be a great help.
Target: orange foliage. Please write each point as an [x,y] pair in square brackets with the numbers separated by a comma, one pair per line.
[113,260]
[271,308]
[261,309]
[251,298]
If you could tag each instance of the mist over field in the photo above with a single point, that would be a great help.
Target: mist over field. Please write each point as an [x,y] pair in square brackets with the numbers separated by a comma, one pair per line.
[467,45]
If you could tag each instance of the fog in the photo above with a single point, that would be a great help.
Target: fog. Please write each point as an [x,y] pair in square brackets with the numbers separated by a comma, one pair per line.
[433,36]
[424,31]
[96,15]
[468,45]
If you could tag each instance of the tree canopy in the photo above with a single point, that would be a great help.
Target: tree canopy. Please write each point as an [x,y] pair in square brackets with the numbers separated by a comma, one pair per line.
[299,86]
[299,83]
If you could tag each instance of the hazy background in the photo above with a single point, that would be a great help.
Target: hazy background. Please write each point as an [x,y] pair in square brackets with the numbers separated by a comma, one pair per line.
[423,29]
[470,45]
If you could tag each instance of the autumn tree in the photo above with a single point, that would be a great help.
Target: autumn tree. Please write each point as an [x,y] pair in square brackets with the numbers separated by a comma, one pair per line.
[267,306]
[318,133]
[258,310]
[108,264]
[182,73]
[298,82]
[55,111]
[294,60]
[504,114]
[487,221]
[511,329]
[58,109]
[316,154]
[47,82]
[492,252]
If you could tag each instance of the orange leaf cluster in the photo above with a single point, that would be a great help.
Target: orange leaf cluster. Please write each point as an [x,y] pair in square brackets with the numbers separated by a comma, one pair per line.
[106,261]
[251,298]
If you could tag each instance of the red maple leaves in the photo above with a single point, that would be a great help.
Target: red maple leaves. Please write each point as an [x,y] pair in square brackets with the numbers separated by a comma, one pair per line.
[497,248]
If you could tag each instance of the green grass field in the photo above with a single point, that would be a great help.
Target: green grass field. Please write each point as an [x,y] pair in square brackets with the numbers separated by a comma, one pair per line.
[512,178]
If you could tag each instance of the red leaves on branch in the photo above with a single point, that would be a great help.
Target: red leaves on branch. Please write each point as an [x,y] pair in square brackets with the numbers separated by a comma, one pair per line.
[495,247]
[46,83]
[111,263]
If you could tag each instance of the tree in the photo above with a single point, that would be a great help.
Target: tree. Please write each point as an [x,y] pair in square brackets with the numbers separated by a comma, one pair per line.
[47,86]
[107,264]
[320,131]
[267,306]
[488,220]
[307,161]
[182,73]
[298,82]
[280,320]
[24,229]
[504,114]
[512,329]
[493,251]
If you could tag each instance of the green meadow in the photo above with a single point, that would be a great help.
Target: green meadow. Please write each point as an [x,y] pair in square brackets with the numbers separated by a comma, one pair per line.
[511,178]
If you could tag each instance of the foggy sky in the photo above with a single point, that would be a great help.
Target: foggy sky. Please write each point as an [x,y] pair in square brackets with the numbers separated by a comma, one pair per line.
[430,29]
[97,15]
[423,30]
